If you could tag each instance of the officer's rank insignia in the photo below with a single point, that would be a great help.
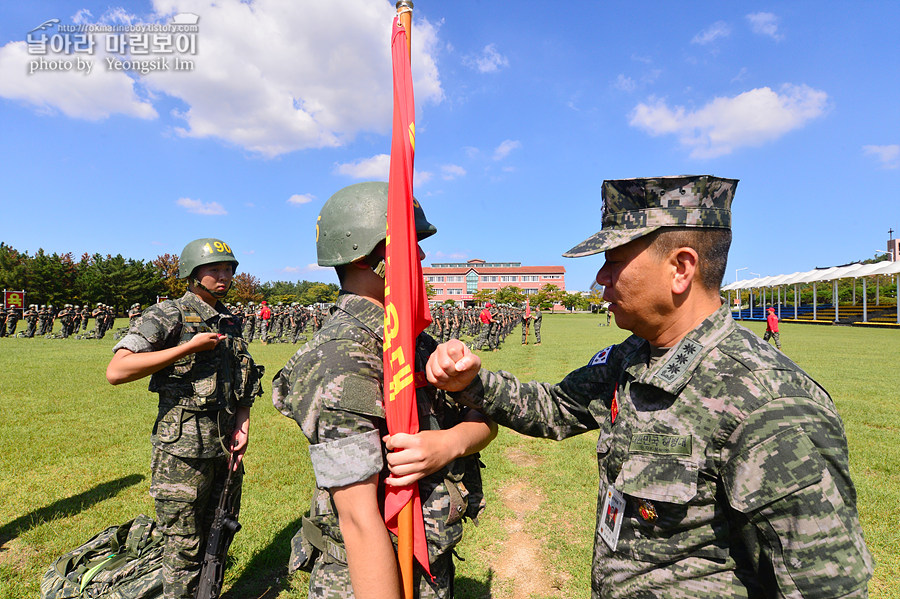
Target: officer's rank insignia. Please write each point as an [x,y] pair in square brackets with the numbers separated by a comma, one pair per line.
[647,510]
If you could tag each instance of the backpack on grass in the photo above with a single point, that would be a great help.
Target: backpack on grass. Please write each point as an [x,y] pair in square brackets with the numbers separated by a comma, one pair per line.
[121,562]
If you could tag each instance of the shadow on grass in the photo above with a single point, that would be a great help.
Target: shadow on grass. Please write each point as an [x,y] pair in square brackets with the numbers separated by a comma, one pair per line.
[469,588]
[266,574]
[67,507]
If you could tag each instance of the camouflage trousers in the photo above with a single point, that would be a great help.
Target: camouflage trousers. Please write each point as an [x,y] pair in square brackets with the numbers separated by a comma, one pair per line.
[482,337]
[186,491]
[494,336]
[525,328]
[774,334]
[331,580]
[537,331]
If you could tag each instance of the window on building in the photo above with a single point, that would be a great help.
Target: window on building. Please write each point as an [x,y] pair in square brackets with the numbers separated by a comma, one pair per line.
[438,291]
[529,291]
[471,282]
[508,278]
[454,292]
[550,276]
[530,278]
[488,278]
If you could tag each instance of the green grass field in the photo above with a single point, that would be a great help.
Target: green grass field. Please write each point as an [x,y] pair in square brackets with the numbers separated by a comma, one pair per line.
[74,458]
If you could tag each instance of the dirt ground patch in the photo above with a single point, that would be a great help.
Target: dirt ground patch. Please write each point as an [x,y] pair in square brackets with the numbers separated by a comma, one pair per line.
[522,565]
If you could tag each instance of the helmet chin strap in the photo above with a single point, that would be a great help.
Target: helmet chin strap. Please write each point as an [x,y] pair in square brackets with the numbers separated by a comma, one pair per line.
[376,263]
[215,294]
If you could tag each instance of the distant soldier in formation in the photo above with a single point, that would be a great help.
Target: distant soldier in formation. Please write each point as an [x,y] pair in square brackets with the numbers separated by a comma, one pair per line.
[31,318]
[134,312]
[249,322]
[85,315]
[76,318]
[97,313]
[12,320]
[536,317]
[65,317]
[3,314]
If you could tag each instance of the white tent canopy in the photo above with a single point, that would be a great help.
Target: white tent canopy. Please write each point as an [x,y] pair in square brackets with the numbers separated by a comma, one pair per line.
[819,275]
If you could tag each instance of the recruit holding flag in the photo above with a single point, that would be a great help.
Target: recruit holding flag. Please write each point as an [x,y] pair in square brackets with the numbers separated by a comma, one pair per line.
[406,311]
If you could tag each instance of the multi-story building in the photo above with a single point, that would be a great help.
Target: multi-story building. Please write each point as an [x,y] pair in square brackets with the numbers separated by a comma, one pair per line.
[460,280]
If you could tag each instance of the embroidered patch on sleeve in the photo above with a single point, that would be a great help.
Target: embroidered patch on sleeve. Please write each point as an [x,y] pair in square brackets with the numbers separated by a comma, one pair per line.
[601,356]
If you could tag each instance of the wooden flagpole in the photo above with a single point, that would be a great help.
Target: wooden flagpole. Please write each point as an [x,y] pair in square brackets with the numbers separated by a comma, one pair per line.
[405,517]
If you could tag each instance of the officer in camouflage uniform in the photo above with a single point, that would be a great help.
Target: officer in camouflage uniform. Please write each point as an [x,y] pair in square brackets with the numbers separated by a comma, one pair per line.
[723,466]
[333,388]
[207,381]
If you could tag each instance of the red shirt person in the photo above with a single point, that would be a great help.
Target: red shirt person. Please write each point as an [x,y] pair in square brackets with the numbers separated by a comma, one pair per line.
[772,327]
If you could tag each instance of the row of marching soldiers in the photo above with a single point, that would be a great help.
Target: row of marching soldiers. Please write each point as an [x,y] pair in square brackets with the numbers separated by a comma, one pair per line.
[488,326]
[39,321]
[279,323]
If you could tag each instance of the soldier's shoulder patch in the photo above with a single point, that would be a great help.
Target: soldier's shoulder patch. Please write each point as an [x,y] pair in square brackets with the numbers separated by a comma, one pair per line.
[192,318]
[601,357]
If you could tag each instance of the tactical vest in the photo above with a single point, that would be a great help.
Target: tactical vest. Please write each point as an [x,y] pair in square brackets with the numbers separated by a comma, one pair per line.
[204,380]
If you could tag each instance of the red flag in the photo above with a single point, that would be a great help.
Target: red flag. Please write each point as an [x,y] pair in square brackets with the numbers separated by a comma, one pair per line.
[527,309]
[406,311]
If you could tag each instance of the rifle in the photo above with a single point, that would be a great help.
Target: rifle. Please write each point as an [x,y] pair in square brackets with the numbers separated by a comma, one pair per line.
[223,529]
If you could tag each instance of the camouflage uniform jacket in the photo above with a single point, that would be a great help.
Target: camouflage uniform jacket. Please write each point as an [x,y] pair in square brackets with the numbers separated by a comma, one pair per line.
[732,461]
[198,394]
[333,388]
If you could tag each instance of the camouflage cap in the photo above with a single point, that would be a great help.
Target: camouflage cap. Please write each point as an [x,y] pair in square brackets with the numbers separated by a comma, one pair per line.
[633,208]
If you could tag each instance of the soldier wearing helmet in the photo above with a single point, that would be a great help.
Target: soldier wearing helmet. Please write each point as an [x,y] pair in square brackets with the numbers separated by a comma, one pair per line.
[333,388]
[723,466]
[197,361]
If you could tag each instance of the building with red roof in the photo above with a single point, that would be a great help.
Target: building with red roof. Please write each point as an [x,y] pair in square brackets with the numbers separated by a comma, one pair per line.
[460,280]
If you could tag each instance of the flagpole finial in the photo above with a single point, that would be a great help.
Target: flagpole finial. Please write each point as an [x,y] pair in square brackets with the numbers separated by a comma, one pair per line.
[404,4]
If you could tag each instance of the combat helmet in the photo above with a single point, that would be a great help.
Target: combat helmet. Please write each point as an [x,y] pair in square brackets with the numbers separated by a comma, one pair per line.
[354,220]
[206,250]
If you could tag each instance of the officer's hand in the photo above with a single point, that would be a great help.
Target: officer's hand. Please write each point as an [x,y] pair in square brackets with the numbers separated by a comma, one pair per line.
[416,456]
[452,366]
[204,342]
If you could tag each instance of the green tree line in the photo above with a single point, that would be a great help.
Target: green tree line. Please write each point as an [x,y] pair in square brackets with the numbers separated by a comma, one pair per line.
[117,281]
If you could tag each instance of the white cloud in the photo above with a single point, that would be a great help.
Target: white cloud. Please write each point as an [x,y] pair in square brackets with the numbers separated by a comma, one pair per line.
[271,77]
[505,148]
[307,268]
[92,96]
[725,124]
[452,171]
[375,168]
[489,61]
[298,198]
[198,207]
[765,23]
[712,33]
[626,84]
[888,156]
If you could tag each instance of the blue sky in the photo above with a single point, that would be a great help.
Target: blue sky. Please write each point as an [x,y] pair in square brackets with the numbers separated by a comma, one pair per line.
[523,109]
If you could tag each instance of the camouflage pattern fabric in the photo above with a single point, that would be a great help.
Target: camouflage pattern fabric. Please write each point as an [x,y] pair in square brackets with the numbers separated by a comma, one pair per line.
[633,208]
[333,388]
[732,461]
[198,395]
[536,318]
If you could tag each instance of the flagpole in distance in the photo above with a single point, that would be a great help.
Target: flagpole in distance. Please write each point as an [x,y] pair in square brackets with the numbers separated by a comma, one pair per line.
[405,517]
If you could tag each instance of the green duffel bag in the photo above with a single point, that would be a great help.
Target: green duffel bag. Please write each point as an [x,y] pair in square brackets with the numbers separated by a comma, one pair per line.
[121,562]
